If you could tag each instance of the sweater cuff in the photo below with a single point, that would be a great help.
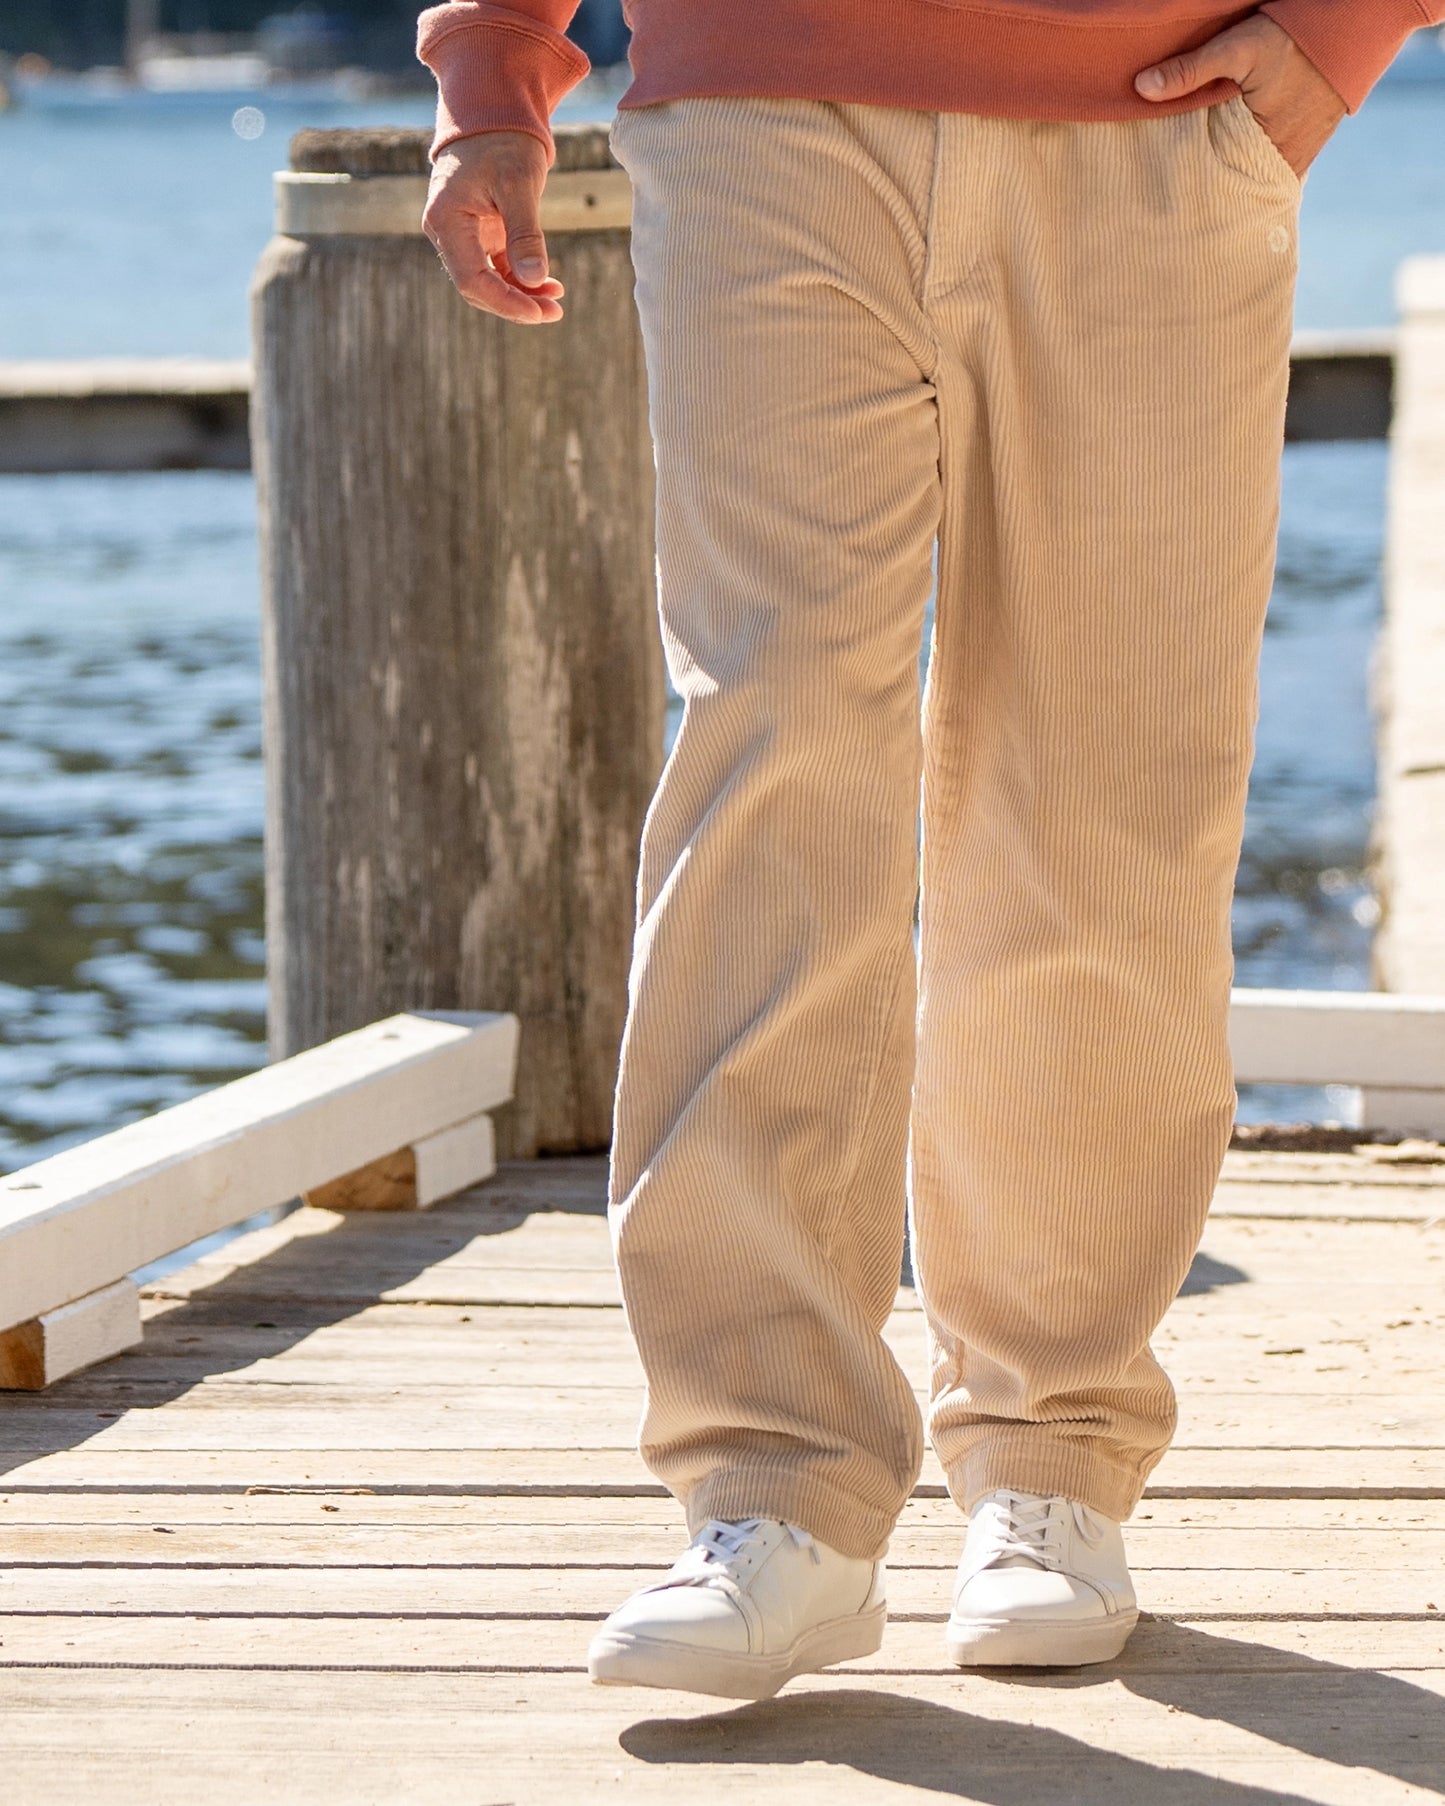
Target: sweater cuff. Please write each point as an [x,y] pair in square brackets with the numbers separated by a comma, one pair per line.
[497,71]
[1350,42]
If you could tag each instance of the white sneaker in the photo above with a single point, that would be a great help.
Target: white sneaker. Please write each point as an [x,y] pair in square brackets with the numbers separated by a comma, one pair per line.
[1043,1583]
[745,1608]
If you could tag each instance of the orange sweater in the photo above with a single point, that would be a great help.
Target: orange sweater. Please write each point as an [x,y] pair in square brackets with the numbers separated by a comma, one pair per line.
[504,64]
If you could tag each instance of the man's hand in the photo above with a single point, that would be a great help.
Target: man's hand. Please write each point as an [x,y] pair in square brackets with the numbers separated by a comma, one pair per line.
[482,216]
[1282,88]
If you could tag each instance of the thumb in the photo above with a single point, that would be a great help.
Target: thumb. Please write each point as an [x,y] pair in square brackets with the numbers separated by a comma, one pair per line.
[519,204]
[1224,58]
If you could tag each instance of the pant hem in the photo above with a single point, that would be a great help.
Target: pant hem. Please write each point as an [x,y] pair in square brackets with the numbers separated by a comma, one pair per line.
[1029,1461]
[839,1519]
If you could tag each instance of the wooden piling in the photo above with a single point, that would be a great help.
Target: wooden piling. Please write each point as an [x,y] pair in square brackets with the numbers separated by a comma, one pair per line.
[464,687]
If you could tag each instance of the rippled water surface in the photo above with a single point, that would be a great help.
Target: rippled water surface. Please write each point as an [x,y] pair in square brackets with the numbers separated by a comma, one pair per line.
[130,869]
[130,798]
[130,782]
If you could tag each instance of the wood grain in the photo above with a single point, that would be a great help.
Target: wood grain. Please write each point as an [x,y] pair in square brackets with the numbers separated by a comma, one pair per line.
[402,1612]
[463,675]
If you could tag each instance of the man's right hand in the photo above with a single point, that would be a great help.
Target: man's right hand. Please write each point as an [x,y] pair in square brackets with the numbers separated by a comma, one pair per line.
[482,216]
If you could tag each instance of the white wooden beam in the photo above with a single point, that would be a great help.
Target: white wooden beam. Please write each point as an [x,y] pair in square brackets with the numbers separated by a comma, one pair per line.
[449,1162]
[415,1178]
[83,1219]
[1410,945]
[1338,1038]
[312,204]
[34,1355]
[1410,942]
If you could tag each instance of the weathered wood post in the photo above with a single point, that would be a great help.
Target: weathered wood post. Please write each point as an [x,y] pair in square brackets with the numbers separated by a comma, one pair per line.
[464,688]
[1410,825]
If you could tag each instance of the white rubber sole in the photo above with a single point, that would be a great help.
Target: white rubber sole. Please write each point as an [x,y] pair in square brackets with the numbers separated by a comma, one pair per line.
[620,1660]
[1037,1643]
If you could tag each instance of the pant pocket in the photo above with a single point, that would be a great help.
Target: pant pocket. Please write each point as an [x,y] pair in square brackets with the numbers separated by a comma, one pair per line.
[1242,146]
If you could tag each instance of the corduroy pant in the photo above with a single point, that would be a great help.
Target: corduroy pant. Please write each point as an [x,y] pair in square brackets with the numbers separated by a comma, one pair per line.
[1058,353]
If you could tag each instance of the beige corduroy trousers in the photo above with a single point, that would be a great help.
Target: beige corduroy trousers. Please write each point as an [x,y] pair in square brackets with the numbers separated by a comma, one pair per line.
[1059,352]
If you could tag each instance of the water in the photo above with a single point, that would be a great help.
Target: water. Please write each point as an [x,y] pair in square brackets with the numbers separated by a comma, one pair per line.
[130,799]
[130,815]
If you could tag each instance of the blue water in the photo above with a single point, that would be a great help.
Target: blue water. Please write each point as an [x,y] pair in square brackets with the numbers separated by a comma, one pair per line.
[131,224]
[130,811]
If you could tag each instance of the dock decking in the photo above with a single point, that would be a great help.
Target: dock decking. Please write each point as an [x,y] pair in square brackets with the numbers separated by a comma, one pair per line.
[339,1529]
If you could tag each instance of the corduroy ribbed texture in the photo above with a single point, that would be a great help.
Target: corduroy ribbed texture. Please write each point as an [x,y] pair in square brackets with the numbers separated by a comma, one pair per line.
[1061,350]
[497,61]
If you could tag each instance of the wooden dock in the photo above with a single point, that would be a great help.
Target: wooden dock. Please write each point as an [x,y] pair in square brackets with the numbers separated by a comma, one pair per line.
[110,414]
[339,1529]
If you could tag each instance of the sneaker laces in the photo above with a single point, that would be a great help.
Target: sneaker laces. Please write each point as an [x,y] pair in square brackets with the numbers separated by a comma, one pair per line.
[718,1554]
[1023,1528]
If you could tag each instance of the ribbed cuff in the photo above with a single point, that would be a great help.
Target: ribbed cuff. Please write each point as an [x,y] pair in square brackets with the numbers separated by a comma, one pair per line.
[1350,42]
[496,71]
[1031,1460]
[838,1519]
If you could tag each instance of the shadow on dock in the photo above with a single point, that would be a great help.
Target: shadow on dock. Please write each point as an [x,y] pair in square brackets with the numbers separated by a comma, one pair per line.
[1281,1697]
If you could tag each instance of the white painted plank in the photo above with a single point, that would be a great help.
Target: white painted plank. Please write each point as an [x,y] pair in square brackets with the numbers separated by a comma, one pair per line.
[1410,948]
[313,204]
[1338,1038]
[36,1354]
[84,1218]
[84,378]
[1415,1112]
[456,1158]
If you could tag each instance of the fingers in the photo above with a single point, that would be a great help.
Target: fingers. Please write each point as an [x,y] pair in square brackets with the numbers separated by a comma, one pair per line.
[484,278]
[482,286]
[1230,56]
[519,204]
[483,216]
[1289,97]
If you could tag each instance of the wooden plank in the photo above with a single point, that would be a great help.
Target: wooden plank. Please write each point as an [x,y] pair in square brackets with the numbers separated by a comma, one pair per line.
[165,413]
[312,204]
[34,1355]
[385,1184]
[459,1642]
[85,1218]
[1341,385]
[1247,1736]
[1338,1037]
[842,1740]
[1330,1203]
[587,1589]
[1364,1525]
[416,1177]
[589,1586]
[453,1159]
[1410,942]
[83,378]
[504,1416]
[1381,1167]
[1255,1397]
[1231,1473]
[426,1342]
[557,1258]
[1298,1356]
[483,1546]
[582,1289]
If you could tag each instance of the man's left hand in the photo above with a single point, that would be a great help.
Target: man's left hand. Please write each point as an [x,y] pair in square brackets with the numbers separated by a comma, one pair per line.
[1289,97]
